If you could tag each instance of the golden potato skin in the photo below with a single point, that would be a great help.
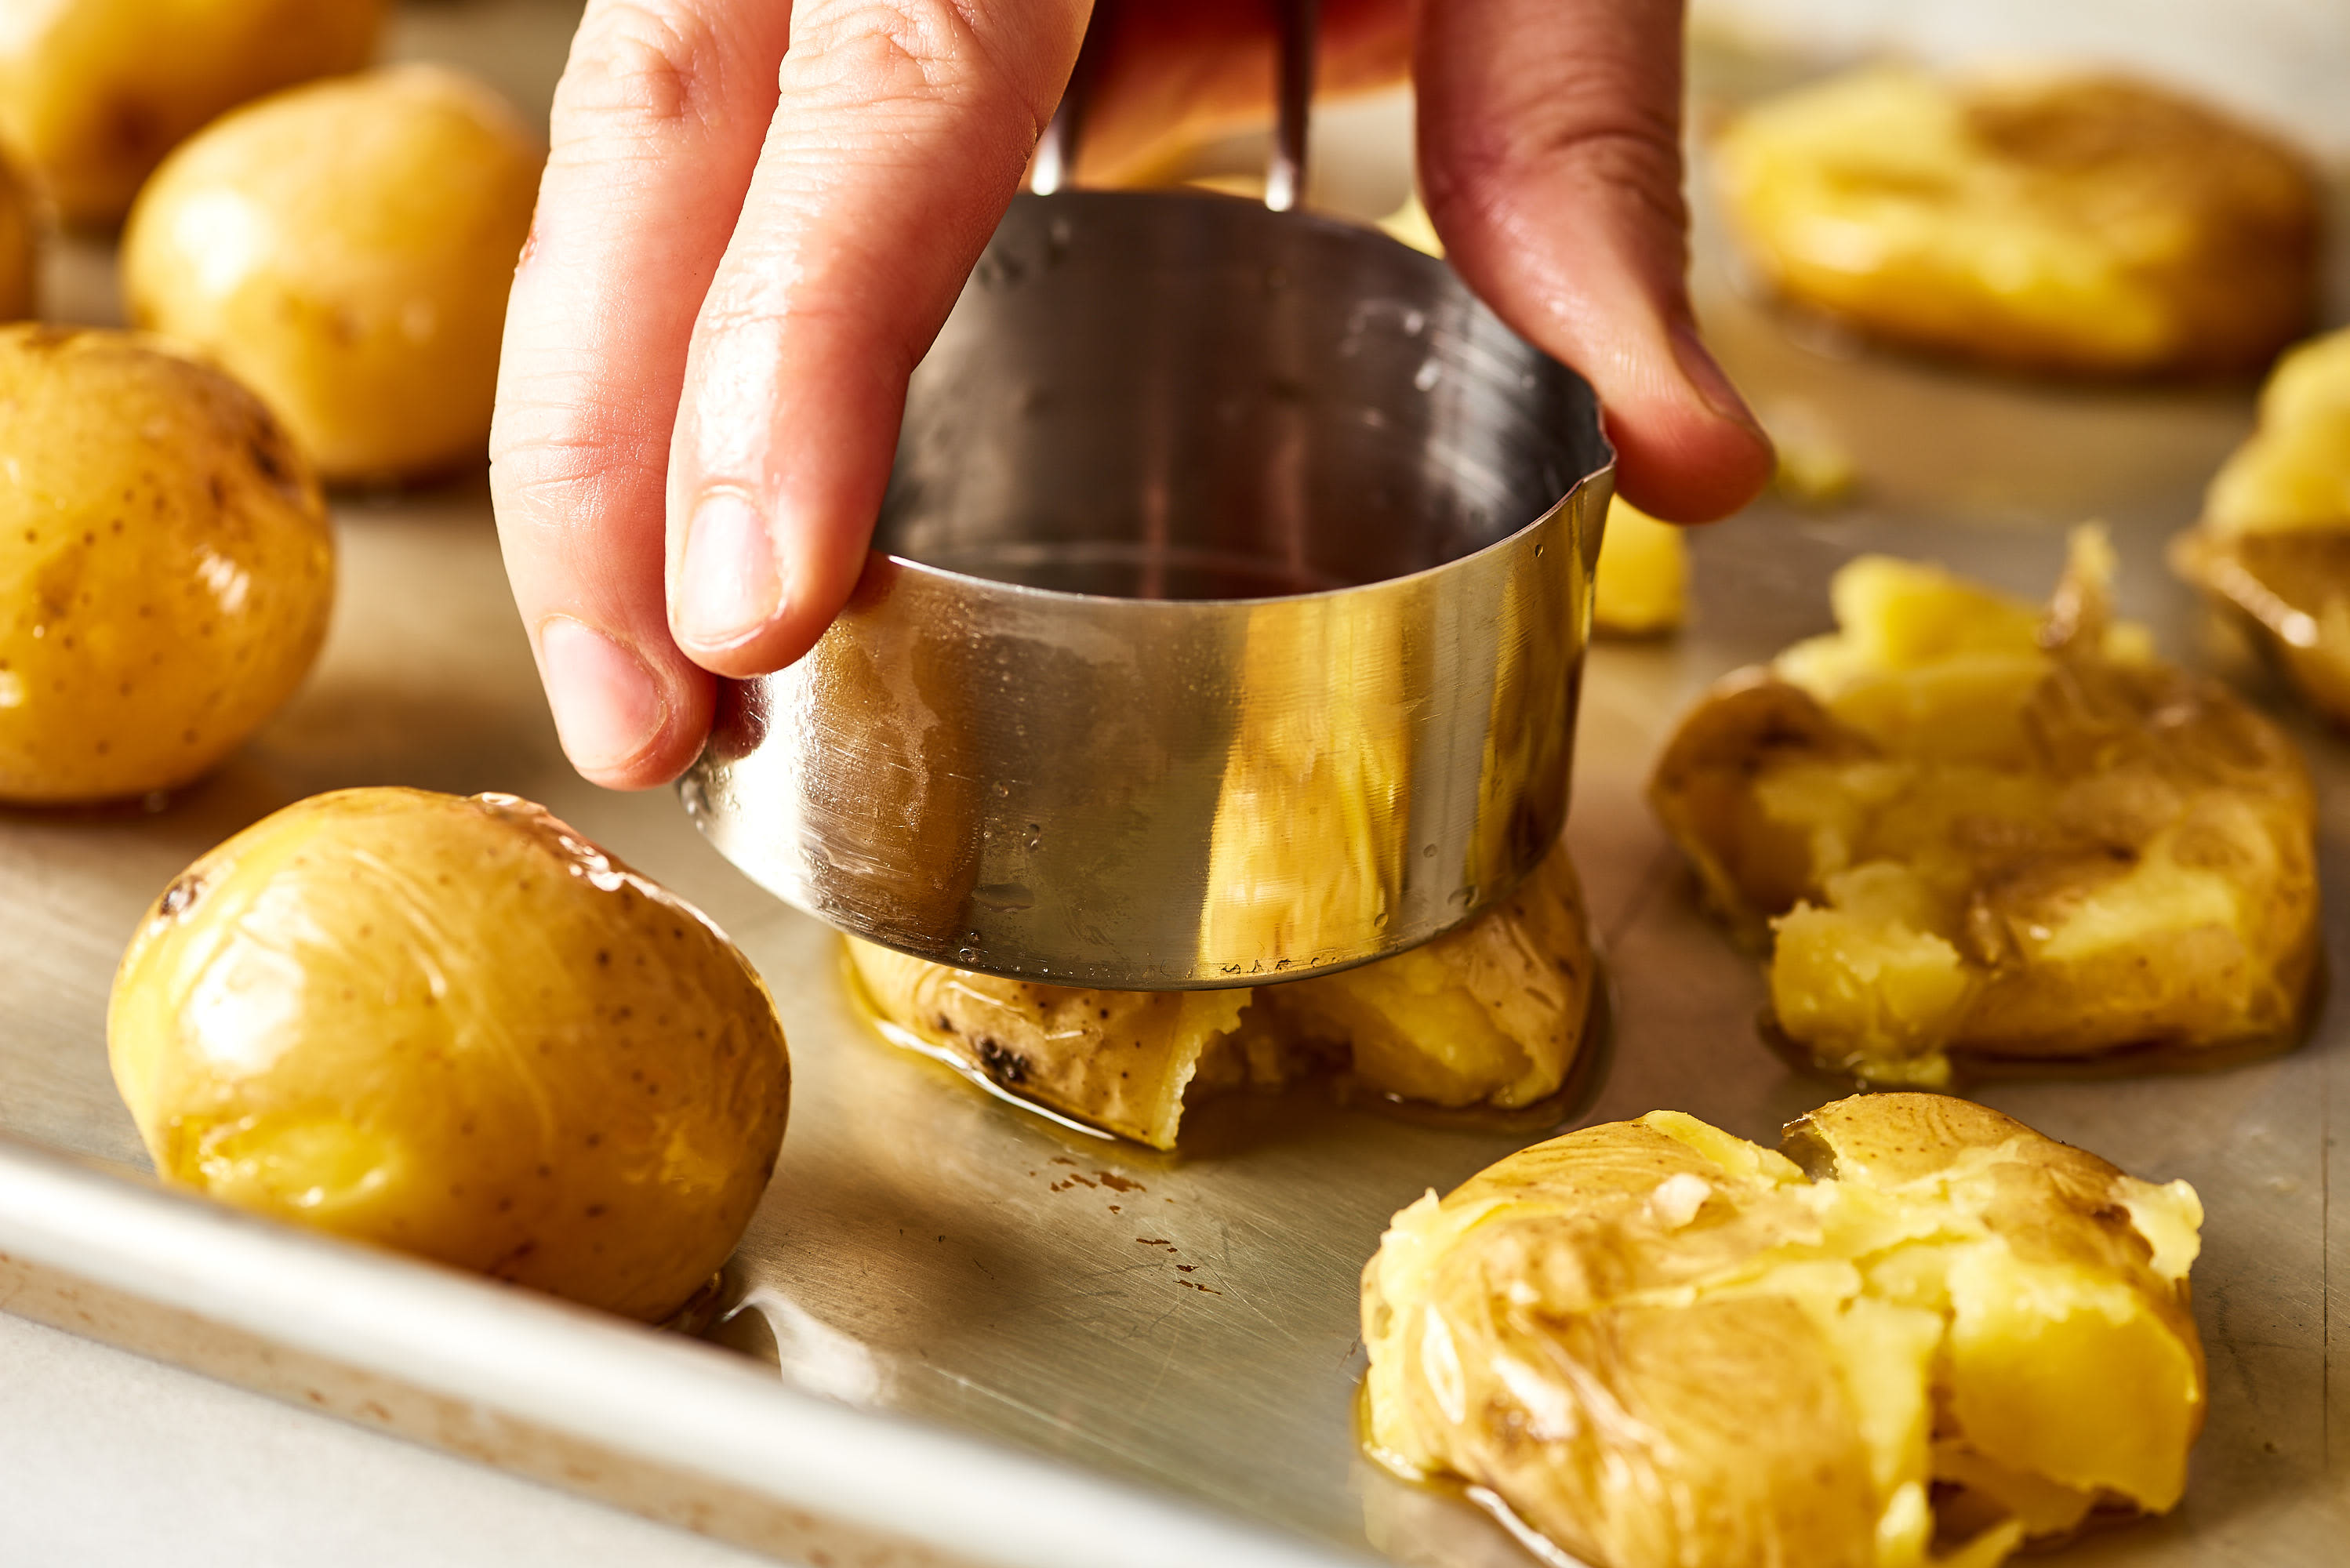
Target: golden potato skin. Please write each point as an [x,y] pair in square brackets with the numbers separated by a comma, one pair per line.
[2089,225]
[166,566]
[1662,1347]
[1491,1014]
[20,234]
[1963,834]
[347,248]
[93,93]
[2274,544]
[455,1027]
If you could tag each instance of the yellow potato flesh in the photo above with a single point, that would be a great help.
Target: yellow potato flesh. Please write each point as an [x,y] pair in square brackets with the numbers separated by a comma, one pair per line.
[1962,840]
[1642,585]
[347,249]
[93,93]
[2069,224]
[1661,1344]
[1490,1014]
[2274,540]
[166,566]
[454,1027]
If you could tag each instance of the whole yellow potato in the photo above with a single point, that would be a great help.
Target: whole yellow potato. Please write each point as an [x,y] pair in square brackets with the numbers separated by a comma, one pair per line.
[347,249]
[166,566]
[95,92]
[1918,1336]
[19,244]
[455,1026]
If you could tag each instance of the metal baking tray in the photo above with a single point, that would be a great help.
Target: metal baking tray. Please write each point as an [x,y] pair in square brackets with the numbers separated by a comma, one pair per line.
[960,1334]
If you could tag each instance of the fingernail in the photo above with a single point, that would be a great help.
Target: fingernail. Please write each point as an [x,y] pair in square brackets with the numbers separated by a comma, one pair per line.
[727,586]
[1707,376]
[608,707]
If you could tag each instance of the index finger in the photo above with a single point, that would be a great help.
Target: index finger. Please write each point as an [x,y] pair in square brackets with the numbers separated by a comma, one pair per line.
[900,133]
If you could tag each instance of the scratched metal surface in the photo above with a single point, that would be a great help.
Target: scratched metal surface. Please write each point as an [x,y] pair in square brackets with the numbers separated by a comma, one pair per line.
[1190,1322]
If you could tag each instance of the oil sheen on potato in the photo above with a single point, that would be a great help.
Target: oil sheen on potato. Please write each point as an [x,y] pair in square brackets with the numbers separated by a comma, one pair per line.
[455,1027]
[1961,828]
[1492,1014]
[2274,544]
[1921,1334]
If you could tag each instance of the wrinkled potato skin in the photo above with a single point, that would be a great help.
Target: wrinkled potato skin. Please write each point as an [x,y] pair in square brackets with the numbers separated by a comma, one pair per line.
[93,93]
[166,566]
[1492,1013]
[1959,838]
[1662,1345]
[454,1027]
[347,249]
[2274,544]
[2070,225]
[20,234]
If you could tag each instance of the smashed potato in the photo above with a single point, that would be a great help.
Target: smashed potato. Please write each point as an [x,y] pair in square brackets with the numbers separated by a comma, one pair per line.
[1963,829]
[2274,539]
[347,249]
[95,92]
[455,1027]
[166,566]
[19,244]
[1922,1333]
[2081,225]
[1491,1013]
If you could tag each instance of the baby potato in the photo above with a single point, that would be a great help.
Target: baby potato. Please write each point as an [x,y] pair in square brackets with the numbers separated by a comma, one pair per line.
[95,92]
[19,244]
[1919,1337]
[1964,830]
[166,566]
[1492,1013]
[455,1027]
[2274,544]
[2086,225]
[346,249]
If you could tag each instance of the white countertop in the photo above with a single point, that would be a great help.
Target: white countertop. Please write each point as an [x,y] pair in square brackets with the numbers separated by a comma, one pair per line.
[110,1458]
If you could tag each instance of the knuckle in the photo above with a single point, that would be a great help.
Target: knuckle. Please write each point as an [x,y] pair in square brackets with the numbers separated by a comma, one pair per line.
[909,51]
[641,63]
[556,472]
[1618,159]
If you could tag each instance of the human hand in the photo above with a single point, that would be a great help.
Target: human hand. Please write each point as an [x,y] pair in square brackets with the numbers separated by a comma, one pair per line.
[742,252]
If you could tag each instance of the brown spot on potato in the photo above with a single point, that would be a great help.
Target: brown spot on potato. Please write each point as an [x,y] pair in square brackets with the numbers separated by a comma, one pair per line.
[181,896]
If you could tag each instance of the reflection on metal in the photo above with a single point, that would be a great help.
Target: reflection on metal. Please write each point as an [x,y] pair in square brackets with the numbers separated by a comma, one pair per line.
[1225,621]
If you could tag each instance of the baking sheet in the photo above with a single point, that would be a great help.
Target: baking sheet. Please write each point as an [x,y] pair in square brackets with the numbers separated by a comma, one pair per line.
[1183,1327]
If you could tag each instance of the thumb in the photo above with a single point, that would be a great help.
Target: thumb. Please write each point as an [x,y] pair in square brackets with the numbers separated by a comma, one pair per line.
[1550,154]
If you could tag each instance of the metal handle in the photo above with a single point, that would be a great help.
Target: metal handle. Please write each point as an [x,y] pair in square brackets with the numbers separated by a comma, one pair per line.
[1298,22]
[1284,181]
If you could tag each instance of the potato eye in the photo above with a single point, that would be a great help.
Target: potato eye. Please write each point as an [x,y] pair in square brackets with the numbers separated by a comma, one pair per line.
[181,896]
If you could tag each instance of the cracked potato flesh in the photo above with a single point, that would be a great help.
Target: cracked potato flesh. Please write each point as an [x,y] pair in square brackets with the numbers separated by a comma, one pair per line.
[1963,829]
[1491,1014]
[1920,1333]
